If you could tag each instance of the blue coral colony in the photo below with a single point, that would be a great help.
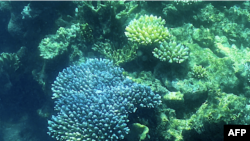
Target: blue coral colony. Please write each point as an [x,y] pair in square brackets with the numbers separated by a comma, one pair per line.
[93,101]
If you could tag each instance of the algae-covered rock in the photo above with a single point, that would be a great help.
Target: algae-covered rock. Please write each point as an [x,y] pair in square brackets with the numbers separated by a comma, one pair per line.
[138,132]
[57,44]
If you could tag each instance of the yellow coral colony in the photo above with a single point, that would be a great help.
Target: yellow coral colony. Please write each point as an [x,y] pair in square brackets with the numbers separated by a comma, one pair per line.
[147,30]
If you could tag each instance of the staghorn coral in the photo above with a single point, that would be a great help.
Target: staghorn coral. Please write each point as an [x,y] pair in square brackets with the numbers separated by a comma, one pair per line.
[147,30]
[93,101]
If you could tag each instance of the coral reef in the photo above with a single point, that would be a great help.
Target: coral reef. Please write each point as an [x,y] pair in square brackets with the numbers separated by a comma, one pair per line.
[194,56]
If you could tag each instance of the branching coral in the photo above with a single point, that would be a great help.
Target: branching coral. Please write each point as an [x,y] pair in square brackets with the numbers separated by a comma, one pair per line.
[147,30]
[171,52]
[93,101]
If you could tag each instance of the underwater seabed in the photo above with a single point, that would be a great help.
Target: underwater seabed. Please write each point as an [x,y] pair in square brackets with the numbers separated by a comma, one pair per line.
[123,70]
